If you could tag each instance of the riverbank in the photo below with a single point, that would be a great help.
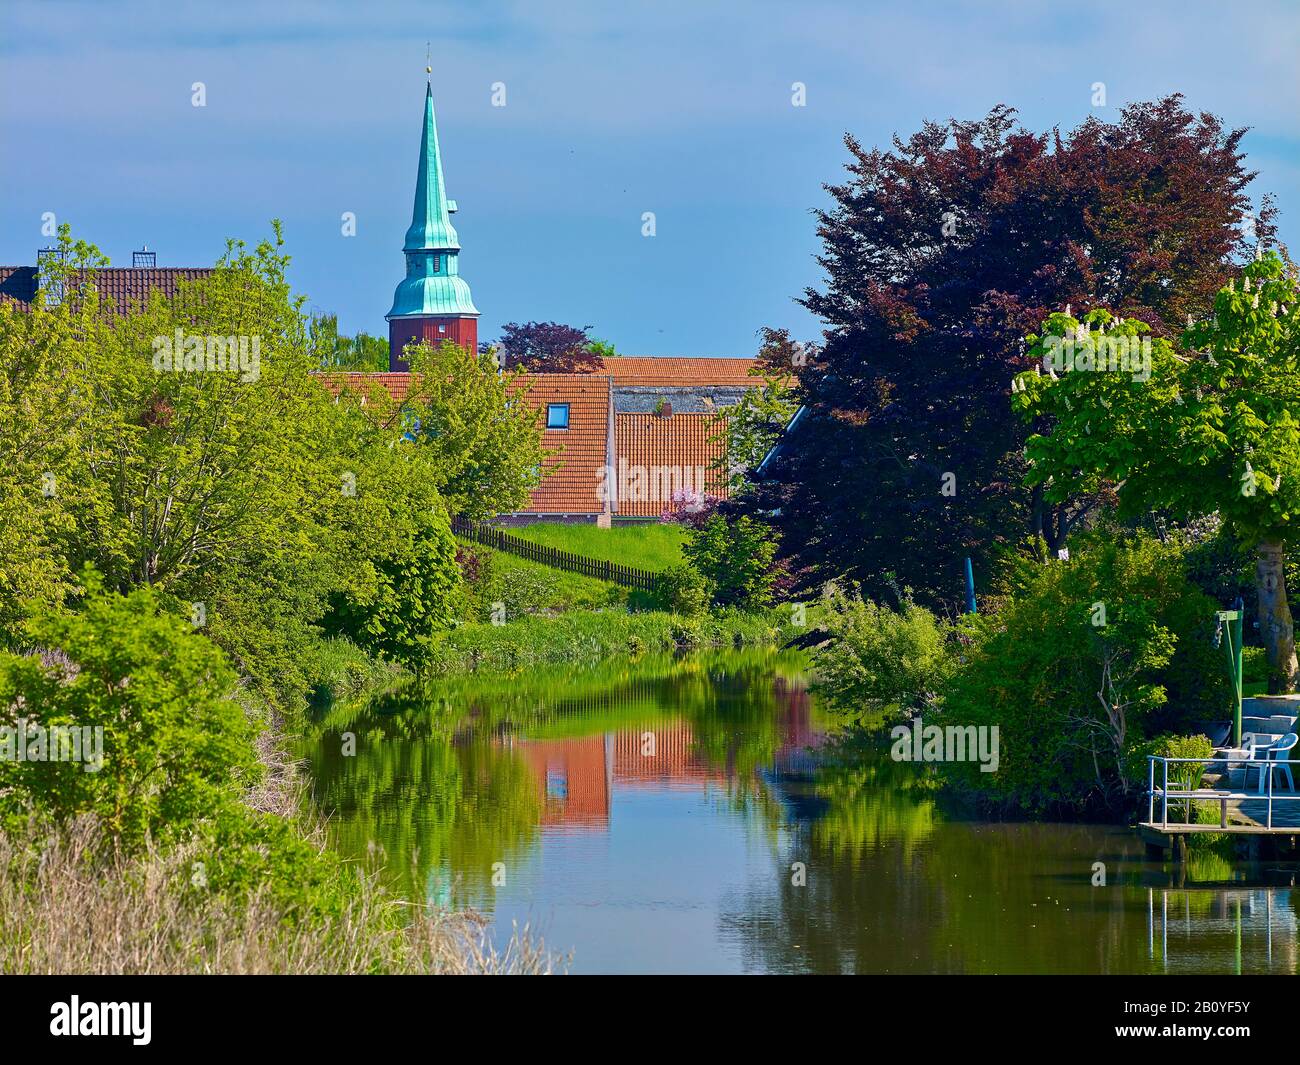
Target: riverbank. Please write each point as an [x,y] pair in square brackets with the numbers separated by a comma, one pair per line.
[590,636]
[144,916]
[152,912]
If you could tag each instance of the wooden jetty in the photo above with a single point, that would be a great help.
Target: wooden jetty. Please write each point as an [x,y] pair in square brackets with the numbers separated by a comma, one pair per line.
[1266,817]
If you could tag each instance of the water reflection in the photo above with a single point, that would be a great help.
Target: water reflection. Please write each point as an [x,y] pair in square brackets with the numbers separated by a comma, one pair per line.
[654,816]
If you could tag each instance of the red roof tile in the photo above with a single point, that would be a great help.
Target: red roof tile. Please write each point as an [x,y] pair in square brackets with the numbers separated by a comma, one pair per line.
[657,456]
[649,371]
[397,384]
[581,450]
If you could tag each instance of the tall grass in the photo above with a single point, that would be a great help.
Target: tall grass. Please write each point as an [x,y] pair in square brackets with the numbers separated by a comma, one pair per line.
[72,902]
[69,905]
[339,668]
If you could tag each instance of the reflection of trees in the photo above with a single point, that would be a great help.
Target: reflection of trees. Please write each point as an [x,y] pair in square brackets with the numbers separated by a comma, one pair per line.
[430,805]
[859,826]
[436,782]
[866,807]
[894,887]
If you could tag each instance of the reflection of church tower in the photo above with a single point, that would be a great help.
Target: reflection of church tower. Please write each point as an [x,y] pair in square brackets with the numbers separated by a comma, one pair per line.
[433,302]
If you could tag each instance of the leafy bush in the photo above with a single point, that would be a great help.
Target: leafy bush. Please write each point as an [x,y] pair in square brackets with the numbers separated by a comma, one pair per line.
[1096,654]
[881,659]
[683,590]
[1168,746]
[477,569]
[1254,665]
[176,748]
[411,594]
[686,635]
[735,557]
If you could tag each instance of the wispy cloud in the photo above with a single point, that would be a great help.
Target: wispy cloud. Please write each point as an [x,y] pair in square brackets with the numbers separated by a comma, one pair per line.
[678,107]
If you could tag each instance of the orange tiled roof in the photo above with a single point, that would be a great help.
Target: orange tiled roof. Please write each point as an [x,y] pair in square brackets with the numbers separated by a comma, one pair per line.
[578,453]
[646,370]
[580,450]
[671,453]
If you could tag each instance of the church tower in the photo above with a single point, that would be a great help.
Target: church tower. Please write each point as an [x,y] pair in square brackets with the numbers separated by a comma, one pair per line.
[433,302]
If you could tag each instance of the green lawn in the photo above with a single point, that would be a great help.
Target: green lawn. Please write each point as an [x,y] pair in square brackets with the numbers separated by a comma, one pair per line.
[650,546]
[542,587]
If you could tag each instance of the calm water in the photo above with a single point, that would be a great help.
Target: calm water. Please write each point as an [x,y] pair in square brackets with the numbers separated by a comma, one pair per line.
[650,818]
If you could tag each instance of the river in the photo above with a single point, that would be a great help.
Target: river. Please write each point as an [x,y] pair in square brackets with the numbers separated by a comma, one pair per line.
[704,814]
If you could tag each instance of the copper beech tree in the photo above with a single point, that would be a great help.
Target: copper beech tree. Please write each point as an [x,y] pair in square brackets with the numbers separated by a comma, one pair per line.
[1212,426]
[940,254]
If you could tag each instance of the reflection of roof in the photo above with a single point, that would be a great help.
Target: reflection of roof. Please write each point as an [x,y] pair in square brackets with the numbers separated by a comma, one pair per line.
[572,778]
[673,759]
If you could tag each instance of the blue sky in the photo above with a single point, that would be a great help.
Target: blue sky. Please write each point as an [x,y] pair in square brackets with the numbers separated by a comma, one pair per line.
[680,108]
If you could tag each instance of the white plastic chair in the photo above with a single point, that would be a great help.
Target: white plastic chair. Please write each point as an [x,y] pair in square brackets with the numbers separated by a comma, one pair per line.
[1274,753]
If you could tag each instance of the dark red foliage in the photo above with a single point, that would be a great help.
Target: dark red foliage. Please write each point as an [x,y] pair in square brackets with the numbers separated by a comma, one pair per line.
[940,255]
[548,347]
[689,508]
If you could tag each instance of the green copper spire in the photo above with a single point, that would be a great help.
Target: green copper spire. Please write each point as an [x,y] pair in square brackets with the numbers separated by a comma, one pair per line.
[432,285]
[431,228]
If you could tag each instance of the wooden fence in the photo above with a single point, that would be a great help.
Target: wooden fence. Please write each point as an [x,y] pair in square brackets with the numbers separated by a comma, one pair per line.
[500,540]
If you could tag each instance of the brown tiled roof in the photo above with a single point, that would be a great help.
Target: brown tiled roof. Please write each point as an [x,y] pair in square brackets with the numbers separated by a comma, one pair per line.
[649,371]
[17,284]
[117,285]
[674,452]
[397,384]
[580,450]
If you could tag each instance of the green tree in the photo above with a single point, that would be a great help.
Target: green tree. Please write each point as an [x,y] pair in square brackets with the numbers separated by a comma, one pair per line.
[1212,428]
[188,445]
[1097,654]
[414,594]
[735,557]
[749,428]
[882,660]
[940,252]
[472,425]
[363,352]
[40,349]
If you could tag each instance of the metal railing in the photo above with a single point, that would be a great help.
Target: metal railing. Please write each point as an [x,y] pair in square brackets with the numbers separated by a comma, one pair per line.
[1229,762]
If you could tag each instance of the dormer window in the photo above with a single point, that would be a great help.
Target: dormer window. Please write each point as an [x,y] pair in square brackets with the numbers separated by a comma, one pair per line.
[437,264]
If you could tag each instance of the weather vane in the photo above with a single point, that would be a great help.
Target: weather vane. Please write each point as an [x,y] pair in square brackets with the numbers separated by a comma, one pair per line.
[428,67]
